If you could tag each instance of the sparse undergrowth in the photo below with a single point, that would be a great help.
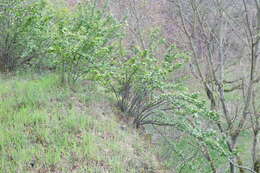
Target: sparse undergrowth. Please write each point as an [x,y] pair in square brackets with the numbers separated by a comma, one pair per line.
[48,128]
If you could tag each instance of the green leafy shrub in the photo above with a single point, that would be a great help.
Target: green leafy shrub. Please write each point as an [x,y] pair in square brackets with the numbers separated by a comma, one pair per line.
[22,28]
[81,40]
[140,79]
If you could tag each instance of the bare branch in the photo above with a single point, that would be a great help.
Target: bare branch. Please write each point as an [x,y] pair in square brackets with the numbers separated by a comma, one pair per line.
[243,167]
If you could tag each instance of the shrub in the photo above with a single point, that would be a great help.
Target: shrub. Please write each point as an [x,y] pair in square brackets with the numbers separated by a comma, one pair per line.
[81,40]
[140,80]
[22,27]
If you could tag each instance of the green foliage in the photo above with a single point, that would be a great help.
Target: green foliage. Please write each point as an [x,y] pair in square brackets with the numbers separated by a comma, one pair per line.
[139,78]
[81,40]
[22,28]
[188,134]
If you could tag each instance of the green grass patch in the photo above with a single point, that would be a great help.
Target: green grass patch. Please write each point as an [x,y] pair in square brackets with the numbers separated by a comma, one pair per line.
[48,128]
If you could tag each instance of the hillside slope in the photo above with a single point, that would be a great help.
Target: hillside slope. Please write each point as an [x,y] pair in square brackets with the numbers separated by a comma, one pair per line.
[48,128]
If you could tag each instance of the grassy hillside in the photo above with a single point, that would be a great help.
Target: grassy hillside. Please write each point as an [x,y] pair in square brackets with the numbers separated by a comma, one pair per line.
[48,128]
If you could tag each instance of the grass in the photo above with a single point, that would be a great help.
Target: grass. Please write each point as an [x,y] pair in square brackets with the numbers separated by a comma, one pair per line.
[48,128]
